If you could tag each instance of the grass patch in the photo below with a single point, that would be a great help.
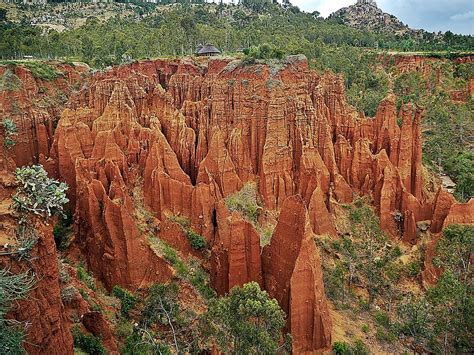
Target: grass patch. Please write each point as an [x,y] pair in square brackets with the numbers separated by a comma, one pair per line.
[39,70]
[9,81]
[190,271]
[86,277]
[245,201]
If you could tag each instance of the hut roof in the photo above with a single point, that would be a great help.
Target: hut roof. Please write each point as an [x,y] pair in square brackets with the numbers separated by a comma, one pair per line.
[198,48]
[208,49]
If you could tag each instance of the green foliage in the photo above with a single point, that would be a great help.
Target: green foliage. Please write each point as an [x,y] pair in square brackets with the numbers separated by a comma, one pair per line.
[461,167]
[340,348]
[163,310]
[144,342]
[85,276]
[263,52]
[161,306]
[365,259]
[26,237]
[408,87]
[9,81]
[10,130]
[343,348]
[13,287]
[88,342]
[442,321]
[464,71]
[359,348]
[414,315]
[455,250]
[191,271]
[196,240]
[37,193]
[247,321]
[42,71]
[382,318]
[246,202]
[62,230]
[176,30]
[413,268]
[127,299]
[11,338]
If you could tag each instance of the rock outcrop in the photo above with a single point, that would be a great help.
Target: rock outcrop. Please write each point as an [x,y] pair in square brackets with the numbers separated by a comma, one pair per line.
[35,104]
[293,276]
[175,138]
[48,328]
[366,15]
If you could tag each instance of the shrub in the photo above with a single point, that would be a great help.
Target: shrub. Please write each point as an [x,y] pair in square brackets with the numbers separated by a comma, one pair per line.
[12,288]
[247,321]
[340,348]
[359,348]
[196,240]
[26,239]
[413,268]
[263,52]
[200,279]
[127,299]
[143,341]
[42,71]
[382,319]
[161,306]
[9,81]
[68,294]
[11,338]
[61,231]
[10,130]
[85,277]
[245,201]
[88,342]
[37,193]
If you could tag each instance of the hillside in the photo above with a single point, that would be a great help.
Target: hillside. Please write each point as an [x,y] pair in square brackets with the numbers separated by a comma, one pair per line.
[158,152]
[366,15]
[299,193]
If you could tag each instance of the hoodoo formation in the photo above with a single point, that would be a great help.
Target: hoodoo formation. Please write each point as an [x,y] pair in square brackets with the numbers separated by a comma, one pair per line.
[178,137]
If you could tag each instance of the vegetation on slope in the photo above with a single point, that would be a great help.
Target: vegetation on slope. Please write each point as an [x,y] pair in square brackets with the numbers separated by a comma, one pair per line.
[367,274]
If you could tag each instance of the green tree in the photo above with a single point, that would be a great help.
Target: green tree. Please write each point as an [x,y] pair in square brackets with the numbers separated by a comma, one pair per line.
[247,321]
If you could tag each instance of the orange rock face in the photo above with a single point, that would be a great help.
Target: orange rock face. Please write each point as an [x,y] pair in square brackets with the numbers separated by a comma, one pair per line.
[34,105]
[293,276]
[170,137]
[48,331]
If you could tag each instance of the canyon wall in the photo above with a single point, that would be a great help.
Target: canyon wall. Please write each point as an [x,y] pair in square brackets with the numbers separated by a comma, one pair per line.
[178,137]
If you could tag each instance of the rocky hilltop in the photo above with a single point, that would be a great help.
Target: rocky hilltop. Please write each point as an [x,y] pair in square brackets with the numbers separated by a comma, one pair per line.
[176,138]
[366,15]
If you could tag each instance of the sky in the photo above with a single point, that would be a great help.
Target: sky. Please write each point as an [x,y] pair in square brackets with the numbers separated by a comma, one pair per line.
[431,15]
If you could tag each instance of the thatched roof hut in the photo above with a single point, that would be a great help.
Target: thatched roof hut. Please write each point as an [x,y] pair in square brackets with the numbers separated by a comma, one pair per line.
[207,50]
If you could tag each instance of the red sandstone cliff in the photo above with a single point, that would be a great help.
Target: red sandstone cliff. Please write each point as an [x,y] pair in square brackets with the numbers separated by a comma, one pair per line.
[197,134]
[187,135]
[48,329]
